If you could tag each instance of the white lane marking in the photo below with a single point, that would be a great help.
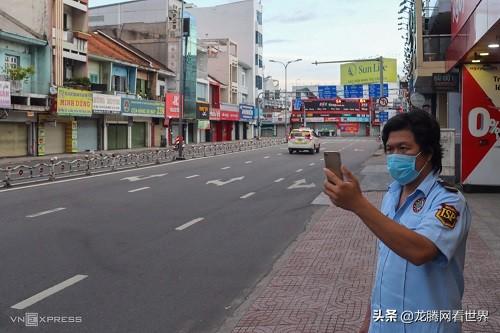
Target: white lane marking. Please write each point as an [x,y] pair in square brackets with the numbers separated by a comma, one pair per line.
[193,176]
[279,180]
[356,149]
[248,162]
[225,168]
[190,223]
[139,189]
[321,159]
[311,164]
[301,183]
[47,292]
[137,178]
[266,156]
[280,154]
[218,182]
[46,212]
[248,195]
[298,170]
[22,186]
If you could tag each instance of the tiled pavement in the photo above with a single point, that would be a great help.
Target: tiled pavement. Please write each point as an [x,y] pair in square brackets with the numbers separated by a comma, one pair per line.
[323,283]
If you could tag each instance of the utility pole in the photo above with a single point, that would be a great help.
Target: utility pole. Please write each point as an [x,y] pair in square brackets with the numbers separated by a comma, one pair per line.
[381,70]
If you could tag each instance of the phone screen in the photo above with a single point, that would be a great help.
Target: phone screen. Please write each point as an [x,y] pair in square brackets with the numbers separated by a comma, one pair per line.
[333,162]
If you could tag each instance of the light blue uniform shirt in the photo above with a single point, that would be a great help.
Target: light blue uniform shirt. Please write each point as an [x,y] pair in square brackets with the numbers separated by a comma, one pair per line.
[436,285]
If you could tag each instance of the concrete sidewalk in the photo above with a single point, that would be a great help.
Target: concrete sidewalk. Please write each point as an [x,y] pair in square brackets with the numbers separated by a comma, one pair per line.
[323,282]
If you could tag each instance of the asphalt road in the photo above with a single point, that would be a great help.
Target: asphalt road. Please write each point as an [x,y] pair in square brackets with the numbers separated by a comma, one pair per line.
[171,248]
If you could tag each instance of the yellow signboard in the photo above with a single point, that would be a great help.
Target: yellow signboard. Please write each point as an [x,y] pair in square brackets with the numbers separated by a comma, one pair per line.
[73,102]
[368,72]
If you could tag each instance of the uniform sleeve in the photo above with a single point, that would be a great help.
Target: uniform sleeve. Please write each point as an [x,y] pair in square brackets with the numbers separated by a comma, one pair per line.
[446,223]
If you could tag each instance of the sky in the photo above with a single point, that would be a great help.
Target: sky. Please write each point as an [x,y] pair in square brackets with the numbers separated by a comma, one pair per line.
[322,30]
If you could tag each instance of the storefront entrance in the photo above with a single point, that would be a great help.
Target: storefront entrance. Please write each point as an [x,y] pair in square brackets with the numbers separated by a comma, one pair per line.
[117,136]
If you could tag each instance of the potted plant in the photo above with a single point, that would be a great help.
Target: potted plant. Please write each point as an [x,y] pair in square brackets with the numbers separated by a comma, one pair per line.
[19,74]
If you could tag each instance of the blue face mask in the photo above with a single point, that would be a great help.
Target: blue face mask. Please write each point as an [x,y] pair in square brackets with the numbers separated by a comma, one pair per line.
[402,168]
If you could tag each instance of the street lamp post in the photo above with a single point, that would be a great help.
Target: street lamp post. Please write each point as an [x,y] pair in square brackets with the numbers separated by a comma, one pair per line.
[285,65]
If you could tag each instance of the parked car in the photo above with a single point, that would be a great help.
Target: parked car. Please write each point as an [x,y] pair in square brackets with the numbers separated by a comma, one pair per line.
[303,139]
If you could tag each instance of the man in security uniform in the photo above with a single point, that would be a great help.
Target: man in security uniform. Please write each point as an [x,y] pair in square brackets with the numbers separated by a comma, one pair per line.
[421,228]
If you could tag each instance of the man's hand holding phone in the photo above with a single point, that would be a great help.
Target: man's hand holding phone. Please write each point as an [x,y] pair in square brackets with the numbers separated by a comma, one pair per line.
[341,186]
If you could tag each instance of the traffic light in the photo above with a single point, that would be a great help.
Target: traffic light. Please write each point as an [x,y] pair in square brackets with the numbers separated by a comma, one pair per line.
[266,94]
[277,94]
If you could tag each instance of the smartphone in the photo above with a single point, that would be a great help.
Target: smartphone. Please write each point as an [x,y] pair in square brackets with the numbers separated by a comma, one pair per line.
[333,162]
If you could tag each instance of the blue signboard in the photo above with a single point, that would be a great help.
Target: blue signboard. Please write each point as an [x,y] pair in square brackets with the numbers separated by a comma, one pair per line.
[361,119]
[383,116]
[246,112]
[297,104]
[353,91]
[374,90]
[327,91]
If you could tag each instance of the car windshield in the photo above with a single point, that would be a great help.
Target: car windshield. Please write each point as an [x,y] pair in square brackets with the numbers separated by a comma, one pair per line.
[301,133]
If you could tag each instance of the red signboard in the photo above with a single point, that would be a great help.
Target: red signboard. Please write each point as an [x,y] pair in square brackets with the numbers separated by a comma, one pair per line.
[229,115]
[461,10]
[480,125]
[172,105]
[352,128]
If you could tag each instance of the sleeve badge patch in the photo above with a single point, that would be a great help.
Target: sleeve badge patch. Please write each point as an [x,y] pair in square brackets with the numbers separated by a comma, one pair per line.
[418,205]
[447,215]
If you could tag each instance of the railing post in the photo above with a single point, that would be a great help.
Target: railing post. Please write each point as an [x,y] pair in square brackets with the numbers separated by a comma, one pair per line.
[113,162]
[52,172]
[157,161]
[87,172]
[7,178]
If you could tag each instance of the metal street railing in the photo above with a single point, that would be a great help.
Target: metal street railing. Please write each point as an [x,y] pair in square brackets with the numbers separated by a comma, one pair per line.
[100,163]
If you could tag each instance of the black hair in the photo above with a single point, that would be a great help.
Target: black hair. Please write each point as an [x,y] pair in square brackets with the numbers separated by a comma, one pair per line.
[425,129]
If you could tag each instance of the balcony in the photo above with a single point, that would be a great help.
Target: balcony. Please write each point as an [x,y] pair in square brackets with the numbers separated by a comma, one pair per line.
[75,45]
[78,4]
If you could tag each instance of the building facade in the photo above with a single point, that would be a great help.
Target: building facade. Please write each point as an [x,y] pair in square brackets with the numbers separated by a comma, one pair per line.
[240,22]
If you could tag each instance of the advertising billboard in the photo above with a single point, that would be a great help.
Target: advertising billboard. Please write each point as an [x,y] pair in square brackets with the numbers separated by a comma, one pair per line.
[480,125]
[73,102]
[142,108]
[5,94]
[365,72]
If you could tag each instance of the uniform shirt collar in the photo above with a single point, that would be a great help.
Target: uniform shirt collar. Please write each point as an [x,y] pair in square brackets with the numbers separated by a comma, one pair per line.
[424,187]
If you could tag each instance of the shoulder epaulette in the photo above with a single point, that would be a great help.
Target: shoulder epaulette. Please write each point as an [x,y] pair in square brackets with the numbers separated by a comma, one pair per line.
[449,187]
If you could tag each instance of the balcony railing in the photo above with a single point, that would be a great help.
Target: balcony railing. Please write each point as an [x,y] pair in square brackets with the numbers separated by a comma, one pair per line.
[435,47]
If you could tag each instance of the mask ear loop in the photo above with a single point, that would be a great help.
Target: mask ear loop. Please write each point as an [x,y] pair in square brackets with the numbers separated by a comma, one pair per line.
[424,163]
